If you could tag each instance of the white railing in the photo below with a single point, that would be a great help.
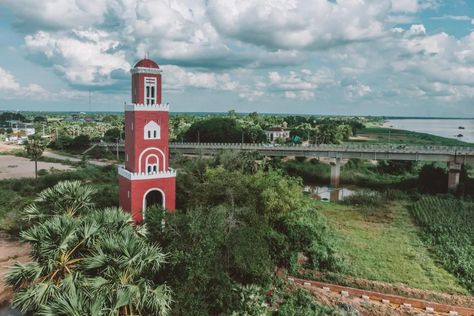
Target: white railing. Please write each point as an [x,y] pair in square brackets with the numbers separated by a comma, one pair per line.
[147,107]
[170,173]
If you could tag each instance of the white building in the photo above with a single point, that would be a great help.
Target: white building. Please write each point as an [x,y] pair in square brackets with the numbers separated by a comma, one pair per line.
[20,128]
[275,133]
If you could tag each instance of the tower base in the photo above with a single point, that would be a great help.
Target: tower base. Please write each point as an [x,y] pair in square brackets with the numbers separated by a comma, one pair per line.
[136,195]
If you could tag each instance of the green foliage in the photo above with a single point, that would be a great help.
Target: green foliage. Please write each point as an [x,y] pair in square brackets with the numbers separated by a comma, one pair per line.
[34,148]
[432,179]
[252,301]
[10,116]
[312,171]
[232,229]
[113,134]
[395,166]
[86,261]
[301,303]
[18,193]
[366,199]
[447,228]
[80,142]
[214,130]
[305,231]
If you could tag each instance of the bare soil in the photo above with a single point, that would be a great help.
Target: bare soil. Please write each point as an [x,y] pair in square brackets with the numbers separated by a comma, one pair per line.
[12,167]
[10,252]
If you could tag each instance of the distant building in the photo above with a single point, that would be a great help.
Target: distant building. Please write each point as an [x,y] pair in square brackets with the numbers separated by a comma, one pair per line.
[275,133]
[20,128]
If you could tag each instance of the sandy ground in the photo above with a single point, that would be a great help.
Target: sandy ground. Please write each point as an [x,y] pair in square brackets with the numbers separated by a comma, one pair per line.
[10,252]
[18,167]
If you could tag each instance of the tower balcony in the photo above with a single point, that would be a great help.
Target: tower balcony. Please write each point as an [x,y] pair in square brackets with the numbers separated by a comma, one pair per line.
[147,107]
[170,173]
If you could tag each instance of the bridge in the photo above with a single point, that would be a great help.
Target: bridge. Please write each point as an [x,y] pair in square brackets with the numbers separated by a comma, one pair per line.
[455,157]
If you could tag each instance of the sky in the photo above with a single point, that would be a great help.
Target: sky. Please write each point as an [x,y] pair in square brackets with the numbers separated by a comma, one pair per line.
[335,57]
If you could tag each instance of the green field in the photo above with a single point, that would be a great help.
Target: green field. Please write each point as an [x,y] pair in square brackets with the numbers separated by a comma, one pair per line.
[384,245]
[447,226]
[398,136]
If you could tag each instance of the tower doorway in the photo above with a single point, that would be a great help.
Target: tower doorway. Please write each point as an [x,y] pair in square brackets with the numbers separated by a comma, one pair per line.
[153,197]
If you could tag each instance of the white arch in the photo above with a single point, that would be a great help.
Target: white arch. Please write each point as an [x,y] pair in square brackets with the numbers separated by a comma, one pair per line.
[152,127]
[146,161]
[141,156]
[144,199]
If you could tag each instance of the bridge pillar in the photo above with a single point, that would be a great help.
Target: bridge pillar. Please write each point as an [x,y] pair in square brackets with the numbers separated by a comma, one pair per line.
[336,173]
[454,169]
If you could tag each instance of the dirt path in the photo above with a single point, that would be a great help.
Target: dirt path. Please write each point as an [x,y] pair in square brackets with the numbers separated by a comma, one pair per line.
[13,167]
[377,303]
[10,252]
[57,156]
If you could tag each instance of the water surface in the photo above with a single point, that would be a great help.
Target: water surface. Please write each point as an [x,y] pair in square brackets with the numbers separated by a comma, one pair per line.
[449,128]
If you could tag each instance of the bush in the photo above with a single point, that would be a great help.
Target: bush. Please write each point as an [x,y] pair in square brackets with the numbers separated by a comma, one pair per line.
[365,198]
[42,172]
[301,303]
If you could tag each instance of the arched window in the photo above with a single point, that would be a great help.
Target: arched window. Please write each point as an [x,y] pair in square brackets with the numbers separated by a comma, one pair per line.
[152,163]
[150,91]
[152,130]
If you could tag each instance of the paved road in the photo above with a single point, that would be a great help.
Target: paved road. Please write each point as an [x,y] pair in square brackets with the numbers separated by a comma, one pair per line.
[57,156]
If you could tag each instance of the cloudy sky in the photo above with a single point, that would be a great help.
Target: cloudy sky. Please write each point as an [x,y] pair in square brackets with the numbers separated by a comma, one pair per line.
[371,57]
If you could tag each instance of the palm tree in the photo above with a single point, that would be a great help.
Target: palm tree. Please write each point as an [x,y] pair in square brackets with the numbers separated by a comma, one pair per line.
[34,149]
[71,198]
[88,263]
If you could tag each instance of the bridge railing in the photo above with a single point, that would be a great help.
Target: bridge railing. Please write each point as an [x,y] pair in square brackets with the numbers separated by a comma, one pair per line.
[325,147]
[334,147]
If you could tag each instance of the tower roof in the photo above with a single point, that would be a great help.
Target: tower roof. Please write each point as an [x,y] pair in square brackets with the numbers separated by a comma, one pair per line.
[146,63]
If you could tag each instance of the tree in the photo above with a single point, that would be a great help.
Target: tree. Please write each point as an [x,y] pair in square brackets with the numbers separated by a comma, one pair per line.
[86,262]
[113,134]
[432,179]
[81,141]
[34,148]
[214,130]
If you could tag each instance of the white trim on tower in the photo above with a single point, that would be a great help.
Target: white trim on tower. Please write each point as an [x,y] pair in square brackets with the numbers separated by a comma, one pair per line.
[144,199]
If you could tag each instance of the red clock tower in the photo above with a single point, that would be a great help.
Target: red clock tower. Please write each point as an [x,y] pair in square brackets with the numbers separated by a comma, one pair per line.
[146,178]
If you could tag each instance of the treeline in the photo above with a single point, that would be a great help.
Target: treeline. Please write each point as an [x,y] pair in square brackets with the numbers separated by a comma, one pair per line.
[250,128]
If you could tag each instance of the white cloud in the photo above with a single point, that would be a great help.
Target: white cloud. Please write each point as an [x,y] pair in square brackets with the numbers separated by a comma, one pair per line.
[407,6]
[177,79]
[300,84]
[298,24]
[58,13]
[452,17]
[416,30]
[11,88]
[82,57]
[358,90]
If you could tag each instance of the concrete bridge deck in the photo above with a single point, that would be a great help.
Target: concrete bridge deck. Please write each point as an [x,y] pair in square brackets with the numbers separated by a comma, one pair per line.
[460,155]
[455,157]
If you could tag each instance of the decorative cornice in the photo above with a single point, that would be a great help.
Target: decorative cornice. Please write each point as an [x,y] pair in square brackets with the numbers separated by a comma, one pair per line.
[143,70]
[170,173]
[147,107]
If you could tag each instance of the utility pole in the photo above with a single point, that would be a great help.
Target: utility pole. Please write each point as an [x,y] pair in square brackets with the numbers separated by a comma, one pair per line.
[117,149]
[199,137]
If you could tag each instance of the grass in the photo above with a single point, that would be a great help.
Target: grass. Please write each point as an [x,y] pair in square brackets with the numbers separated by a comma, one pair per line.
[398,136]
[384,245]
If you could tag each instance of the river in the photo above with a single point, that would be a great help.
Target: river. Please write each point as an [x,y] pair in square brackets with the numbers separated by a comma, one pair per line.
[448,128]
